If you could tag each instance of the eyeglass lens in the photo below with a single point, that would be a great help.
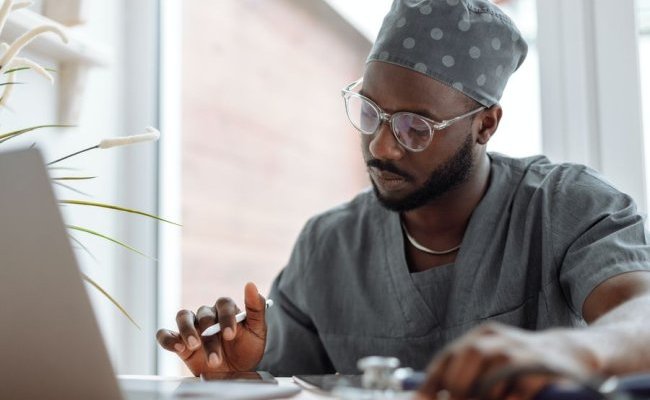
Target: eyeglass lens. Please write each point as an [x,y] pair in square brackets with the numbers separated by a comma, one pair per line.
[410,130]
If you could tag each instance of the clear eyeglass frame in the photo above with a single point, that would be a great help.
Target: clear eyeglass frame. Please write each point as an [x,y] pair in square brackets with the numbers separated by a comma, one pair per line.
[384,117]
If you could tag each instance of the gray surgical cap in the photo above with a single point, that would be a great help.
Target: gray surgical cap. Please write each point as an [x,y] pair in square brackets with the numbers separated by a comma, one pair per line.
[470,45]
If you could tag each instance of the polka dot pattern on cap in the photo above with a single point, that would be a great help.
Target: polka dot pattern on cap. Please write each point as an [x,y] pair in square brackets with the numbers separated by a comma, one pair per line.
[409,43]
[470,45]
[464,25]
[437,33]
[421,67]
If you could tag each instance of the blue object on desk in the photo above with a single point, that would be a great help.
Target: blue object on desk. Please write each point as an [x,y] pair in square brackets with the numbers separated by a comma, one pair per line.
[635,386]
[566,392]
[413,381]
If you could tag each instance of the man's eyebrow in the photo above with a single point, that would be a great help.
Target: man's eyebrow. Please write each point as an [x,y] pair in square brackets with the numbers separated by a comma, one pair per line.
[424,113]
[420,111]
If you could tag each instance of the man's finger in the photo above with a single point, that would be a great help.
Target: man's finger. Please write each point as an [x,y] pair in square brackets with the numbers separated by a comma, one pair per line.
[206,316]
[462,372]
[523,386]
[172,341]
[186,321]
[433,382]
[255,310]
[213,350]
[226,312]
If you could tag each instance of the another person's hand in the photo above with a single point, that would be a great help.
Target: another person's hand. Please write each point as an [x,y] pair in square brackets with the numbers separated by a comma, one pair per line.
[238,347]
[496,361]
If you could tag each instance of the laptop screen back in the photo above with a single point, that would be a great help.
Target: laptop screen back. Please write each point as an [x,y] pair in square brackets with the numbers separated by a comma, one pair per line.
[51,347]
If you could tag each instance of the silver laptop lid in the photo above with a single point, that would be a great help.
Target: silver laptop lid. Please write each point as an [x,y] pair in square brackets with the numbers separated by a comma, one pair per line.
[50,343]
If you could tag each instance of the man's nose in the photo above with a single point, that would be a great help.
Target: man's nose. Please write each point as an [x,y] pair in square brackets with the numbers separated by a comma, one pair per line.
[384,145]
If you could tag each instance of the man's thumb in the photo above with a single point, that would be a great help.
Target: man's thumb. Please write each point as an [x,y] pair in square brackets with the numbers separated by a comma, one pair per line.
[255,309]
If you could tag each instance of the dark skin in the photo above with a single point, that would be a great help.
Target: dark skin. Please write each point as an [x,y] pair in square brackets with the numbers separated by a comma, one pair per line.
[239,347]
[440,224]
[613,310]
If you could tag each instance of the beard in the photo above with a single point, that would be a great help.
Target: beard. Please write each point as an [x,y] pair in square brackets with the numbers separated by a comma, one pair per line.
[447,176]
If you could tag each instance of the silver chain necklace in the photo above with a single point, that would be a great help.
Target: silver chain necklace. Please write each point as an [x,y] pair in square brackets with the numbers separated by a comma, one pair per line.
[424,248]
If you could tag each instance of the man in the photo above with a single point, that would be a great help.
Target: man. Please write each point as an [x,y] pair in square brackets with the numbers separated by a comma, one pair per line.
[466,263]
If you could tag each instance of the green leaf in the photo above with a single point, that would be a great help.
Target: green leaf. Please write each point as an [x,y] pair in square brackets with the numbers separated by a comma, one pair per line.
[64,168]
[15,70]
[73,178]
[113,207]
[10,135]
[110,298]
[63,185]
[126,246]
[26,68]
[83,247]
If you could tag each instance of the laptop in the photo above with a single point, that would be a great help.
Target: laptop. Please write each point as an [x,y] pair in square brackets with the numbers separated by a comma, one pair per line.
[50,342]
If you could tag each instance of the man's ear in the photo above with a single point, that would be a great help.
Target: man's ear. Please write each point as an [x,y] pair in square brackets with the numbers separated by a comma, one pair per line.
[488,122]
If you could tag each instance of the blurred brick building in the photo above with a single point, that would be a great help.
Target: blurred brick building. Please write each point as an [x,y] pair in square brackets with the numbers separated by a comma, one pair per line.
[266,143]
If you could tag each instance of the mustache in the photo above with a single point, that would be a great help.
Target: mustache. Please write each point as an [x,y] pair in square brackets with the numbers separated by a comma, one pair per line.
[388,167]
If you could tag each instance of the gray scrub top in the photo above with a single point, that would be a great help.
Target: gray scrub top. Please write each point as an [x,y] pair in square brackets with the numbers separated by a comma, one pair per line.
[540,240]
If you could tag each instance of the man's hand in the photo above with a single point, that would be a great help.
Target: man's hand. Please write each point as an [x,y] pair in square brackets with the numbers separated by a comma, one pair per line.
[235,348]
[473,367]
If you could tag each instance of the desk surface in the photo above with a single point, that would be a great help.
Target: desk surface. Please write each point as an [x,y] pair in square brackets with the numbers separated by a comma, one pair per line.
[304,394]
[152,387]
[312,395]
[157,387]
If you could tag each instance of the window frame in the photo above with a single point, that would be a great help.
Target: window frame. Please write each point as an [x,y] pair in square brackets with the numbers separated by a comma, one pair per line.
[588,117]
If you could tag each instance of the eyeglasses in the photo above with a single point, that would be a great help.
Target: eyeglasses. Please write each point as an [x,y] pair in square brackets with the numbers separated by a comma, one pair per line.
[413,131]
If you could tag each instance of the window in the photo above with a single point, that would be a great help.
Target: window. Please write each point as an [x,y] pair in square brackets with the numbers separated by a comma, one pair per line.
[520,132]
[265,140]
[643,20]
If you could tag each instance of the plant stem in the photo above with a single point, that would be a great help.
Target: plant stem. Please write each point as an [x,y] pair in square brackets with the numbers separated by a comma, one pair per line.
[73,154]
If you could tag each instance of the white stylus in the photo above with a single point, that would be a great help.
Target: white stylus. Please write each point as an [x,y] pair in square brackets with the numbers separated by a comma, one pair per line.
[216,328]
